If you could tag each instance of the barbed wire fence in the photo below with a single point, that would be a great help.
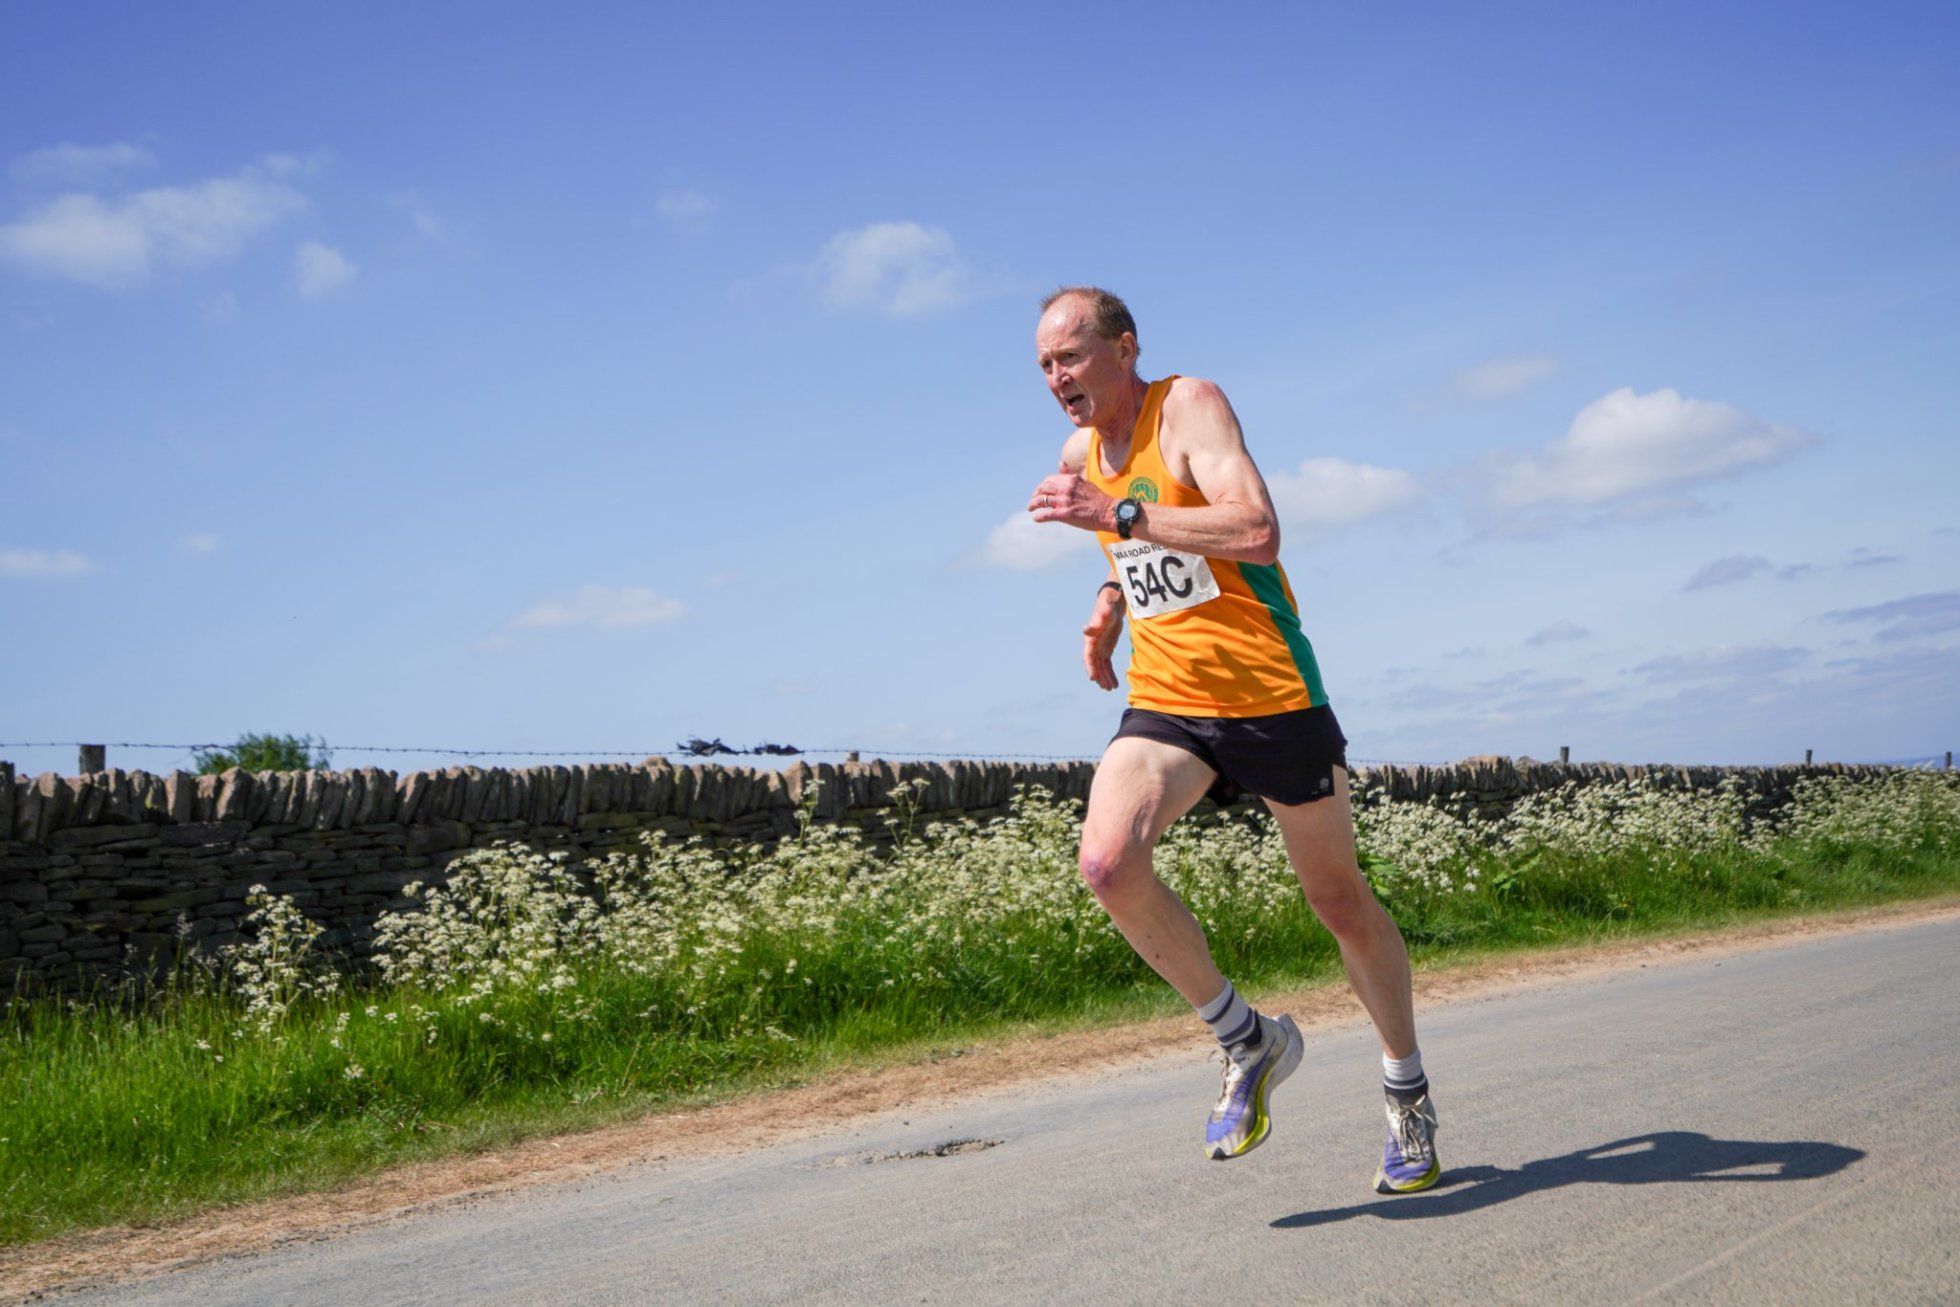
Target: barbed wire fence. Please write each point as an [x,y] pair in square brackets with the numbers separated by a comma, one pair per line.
[691,748]
[694,747]
[92,756]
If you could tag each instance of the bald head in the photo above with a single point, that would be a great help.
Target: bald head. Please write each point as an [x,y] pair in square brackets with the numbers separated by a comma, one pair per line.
[1107,315]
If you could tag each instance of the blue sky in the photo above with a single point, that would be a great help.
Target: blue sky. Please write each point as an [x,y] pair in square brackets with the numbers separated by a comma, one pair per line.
[488,377]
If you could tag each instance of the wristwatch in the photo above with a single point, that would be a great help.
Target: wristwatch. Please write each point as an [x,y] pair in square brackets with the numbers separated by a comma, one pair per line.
[1128,513]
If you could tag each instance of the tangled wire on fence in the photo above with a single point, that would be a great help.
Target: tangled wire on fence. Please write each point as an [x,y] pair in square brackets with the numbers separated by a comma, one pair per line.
[700,748]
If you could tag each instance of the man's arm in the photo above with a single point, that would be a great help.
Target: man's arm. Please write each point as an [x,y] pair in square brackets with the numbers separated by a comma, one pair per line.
[1200,435]
[1099,637]
[1105,625]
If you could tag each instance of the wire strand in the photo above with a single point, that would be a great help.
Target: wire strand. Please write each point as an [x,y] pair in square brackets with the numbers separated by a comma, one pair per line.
[693,748]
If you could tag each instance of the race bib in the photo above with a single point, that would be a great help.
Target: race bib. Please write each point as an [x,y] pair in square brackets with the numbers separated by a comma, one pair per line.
[1157,580]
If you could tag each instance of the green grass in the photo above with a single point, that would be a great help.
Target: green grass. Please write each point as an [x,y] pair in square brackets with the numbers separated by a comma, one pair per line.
[522,1001]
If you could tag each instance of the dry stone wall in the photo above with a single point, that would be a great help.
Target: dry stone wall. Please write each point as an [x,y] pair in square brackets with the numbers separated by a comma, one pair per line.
[104,874]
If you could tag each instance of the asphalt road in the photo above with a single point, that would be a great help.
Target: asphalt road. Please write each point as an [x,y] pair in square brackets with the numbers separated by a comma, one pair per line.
[1767,1127]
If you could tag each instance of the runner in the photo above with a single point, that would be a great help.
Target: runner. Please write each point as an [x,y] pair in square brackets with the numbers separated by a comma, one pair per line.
[1224,697]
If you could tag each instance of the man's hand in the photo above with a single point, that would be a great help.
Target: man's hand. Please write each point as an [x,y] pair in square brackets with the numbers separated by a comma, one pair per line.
[1100,635]
[1067,497]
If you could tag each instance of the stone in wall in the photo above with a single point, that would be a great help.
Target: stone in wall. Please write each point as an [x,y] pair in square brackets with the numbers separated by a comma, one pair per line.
[180,796]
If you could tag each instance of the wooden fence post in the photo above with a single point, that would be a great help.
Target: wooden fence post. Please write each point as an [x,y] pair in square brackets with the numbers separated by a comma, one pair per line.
[1564,754]
[94,758]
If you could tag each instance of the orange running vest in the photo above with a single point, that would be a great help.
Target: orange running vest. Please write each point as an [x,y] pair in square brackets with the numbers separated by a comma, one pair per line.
[1209,637]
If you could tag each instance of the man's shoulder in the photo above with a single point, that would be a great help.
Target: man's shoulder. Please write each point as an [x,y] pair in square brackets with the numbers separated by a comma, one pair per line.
[1075,450]
[1196,410]
[1193,393]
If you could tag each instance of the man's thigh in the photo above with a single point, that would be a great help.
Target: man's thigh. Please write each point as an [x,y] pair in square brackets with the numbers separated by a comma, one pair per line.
[1319,835]
[1141,787]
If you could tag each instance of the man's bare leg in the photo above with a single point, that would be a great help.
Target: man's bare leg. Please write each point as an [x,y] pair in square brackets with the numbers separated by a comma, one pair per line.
[1320,845]
[1141,787]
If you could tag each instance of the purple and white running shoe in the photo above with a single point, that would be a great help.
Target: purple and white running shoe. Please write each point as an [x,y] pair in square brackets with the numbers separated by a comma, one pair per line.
[1409,1161]
[1240,1121]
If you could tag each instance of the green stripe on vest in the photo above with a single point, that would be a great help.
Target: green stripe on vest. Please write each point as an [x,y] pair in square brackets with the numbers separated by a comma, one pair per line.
[1271,591]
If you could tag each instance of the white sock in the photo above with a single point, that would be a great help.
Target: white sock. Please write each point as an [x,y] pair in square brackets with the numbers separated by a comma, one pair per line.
[1231,1020]
[1404,1074]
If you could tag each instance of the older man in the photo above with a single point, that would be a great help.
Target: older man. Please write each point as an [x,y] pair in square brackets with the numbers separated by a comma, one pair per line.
[1224,691]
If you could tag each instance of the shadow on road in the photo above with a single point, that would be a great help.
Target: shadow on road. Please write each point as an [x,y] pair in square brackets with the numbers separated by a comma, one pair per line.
[1667,1157]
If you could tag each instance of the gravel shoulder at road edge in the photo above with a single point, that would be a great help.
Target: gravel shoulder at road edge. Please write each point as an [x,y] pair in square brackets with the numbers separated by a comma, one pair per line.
[829,1100]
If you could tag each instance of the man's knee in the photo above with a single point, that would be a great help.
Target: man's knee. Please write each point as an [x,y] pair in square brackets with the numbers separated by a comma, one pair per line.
[1343,902]
[1112,867]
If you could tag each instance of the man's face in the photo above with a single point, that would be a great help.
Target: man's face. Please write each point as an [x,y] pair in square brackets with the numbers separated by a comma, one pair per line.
[1086,374]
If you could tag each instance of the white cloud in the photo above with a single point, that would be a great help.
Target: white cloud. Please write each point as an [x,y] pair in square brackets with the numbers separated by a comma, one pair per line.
[199,542]
[1727,571]
[604,607]
[291,165]
[1501,378]
[1503,695]
[320,270]
[896,268]
[1557,632]
[1624,445]
[79,237]
[427,222]
[684,206]
[1323,494]
[68,164]
[211,220]
[1022,544]
[1653,508]
[115,241]
[1927,614]
[39,562]
[1723,661]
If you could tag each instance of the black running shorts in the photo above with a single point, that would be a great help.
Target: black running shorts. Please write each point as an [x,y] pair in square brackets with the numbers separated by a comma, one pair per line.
[1288,757]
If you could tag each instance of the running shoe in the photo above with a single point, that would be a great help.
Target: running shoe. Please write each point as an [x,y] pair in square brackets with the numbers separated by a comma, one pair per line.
[1409,1161]
[1240,1122]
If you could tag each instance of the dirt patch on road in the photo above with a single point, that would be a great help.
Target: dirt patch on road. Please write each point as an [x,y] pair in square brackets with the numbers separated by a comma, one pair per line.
[119,1253]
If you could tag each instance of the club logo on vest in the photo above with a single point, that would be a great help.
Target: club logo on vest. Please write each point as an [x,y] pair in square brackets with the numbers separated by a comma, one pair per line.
[1143,490]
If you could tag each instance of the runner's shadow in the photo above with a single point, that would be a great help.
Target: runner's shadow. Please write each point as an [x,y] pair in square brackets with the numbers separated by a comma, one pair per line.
[1667,1157]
